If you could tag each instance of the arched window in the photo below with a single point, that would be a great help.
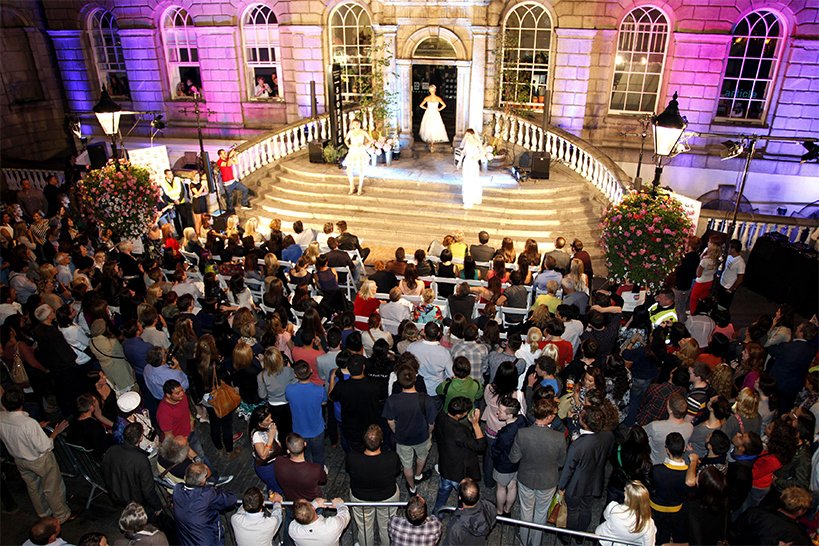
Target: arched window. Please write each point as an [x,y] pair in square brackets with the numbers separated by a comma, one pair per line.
[755,49]
[638,65]
[260,35]
[350,46]
[181,53]
[526,46]
[103,35]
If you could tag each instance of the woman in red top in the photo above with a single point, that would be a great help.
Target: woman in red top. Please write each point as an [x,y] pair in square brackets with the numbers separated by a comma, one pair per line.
[498,270]
[780,449]
[365,304]
[169,241]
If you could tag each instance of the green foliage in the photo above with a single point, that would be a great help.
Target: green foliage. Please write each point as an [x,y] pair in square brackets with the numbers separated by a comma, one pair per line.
[375,95]
[333,154]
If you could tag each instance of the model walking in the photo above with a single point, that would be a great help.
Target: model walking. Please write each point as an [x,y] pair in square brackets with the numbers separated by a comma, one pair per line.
[432,126]
[471,154]
[357,140]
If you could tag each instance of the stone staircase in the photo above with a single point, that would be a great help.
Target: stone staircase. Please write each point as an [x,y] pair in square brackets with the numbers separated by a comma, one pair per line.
[416,200]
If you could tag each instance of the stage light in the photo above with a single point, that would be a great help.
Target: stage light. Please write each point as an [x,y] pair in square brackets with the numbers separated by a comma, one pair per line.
[813,152]
[732,149]
[156,123]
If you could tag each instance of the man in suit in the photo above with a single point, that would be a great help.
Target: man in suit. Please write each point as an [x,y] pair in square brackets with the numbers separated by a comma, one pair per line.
[539,451]
[562,258]
[482,252]
[127,472]
[790,362]
[348,241]
[581,480]
[339,258]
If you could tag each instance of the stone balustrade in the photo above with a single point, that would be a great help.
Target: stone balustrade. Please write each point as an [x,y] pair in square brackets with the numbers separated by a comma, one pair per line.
[750,227]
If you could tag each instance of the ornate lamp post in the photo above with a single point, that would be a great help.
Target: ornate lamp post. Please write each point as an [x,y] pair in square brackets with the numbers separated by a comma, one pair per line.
[108,113]
[669,127]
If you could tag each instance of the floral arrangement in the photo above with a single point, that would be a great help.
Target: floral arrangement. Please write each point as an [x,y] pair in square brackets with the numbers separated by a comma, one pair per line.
[644,238]
[488,153]
[382,144]
[123,200]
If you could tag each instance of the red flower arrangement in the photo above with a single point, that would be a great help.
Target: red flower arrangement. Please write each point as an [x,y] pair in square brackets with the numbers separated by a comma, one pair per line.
[123,200]
[644,238]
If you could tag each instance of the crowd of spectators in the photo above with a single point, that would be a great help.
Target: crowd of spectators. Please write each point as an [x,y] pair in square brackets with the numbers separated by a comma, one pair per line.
[694,430]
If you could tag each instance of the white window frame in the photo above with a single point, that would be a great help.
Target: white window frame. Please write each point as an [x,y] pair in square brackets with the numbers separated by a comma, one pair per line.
[774,22]
[103,36]
[539,73]
[643,33]
[352,55]
[181,50]
[258,38]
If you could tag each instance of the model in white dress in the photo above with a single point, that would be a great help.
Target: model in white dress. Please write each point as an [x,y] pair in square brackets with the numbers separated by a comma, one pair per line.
[471,154]
[432,126]
[357,140]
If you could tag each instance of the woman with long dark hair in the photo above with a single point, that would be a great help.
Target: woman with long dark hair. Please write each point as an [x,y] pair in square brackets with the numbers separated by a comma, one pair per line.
[647,361]
[708,507]
[505,383]
[265,441]
[208,375]
[631,462]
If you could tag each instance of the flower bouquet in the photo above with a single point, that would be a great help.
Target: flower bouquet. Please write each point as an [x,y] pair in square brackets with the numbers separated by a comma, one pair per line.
[644,238]
[123,200]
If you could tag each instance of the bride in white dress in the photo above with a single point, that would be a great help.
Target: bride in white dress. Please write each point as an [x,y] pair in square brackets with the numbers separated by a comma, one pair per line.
[472,152]
[357,140]
[432,126]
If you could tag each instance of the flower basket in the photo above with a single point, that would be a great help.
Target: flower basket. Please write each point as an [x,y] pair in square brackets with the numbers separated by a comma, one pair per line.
[123,200]
[644,238]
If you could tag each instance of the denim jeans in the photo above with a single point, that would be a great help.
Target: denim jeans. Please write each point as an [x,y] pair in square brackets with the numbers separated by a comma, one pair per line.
[236,186]
[195,443]
[314,451]
[638,390]
[444,489]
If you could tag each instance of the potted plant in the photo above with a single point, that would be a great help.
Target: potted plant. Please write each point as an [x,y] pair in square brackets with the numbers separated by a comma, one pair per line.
[334,154]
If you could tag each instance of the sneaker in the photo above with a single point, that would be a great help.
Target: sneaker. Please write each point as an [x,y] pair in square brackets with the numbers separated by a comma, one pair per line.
[238,436]
[247,207]
[224,480]
[412,490]
[436,468]
[425,475]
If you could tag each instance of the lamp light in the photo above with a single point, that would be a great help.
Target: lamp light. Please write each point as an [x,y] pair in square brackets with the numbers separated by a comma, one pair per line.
[669,127]
[732,149]
[108,113]
[812,152]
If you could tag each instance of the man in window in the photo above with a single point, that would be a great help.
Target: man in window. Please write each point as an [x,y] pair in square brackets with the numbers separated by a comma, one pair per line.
[225,165]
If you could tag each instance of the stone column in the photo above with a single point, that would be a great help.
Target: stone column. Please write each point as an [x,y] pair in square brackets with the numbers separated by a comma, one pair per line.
[302,62]
[571,78]
[462,113]
[142,63]
[478,80]
[404,101]
[68,46]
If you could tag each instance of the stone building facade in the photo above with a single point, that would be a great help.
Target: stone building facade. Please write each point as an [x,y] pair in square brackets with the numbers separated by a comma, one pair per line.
[739,67]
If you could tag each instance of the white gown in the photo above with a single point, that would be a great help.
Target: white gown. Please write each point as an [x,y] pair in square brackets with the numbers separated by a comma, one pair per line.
[471,154]
[432,126]
[357,156]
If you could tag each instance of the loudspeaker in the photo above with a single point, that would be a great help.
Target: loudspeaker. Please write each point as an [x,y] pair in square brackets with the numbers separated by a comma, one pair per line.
[220,222]
[97,155]
[315,150]
[540,165]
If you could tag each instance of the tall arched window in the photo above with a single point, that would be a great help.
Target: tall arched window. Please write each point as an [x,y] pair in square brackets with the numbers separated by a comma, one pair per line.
[526,45]
[260,35]
[103,34]
[181,53]
[351,36]
[755,49]
[638,65]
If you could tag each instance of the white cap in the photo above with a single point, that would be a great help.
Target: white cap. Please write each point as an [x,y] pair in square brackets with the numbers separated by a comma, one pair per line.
[42,312]
[128,402]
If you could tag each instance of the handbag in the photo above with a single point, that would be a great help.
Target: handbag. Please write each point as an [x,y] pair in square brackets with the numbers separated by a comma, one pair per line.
[18,371]
[223,398]
[557,512]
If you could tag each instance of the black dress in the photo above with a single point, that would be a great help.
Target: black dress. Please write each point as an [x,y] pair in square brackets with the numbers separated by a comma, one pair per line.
[200,204]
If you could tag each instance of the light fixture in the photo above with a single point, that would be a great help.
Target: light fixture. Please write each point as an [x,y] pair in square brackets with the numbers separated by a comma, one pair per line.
[669,127]
[156,123]
[732,149]
[108,113]
[812,151]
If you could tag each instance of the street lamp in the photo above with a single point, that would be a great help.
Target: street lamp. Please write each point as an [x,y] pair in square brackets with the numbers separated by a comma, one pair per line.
[669,127]
[108,113]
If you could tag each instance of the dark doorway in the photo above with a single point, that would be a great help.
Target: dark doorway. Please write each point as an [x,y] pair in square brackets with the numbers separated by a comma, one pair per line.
[445,78]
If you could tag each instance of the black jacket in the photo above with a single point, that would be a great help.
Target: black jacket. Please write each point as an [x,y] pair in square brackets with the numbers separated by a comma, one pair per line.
[503,445]
[764,526]
[457,449]
[128,476]
[52,349]
[471,525]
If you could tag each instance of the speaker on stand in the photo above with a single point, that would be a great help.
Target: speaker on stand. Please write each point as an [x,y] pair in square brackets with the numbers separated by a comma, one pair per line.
[540,165]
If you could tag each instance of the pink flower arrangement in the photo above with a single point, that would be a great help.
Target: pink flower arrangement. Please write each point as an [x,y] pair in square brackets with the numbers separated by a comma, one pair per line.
[644,238]
[123,201]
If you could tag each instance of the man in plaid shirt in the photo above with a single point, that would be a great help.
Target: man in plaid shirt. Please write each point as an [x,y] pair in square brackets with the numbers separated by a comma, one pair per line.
[415,527]
[472,349]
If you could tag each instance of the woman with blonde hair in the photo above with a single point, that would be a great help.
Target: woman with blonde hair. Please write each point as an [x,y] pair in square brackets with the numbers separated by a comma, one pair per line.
[746,416]
[312,252]
[252,230]
[688,352]
[631,520]
[408,332]
[426,311]
[232,227]
[576,272]
[530,350]
[272,382]
[365,303]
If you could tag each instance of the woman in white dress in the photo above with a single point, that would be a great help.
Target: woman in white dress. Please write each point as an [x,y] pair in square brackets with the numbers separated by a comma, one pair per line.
[432,126]
[357,140]
[471,154]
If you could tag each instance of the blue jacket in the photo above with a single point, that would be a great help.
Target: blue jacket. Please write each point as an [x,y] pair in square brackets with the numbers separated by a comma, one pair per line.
[196,511]
[503,445]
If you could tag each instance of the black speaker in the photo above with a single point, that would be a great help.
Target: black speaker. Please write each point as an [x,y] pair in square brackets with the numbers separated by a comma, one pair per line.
[220,221]
[97,155]
[540,165]
[315,150]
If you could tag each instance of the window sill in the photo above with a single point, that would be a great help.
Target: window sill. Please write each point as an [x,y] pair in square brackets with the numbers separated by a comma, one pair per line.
[275,100]
[729,122]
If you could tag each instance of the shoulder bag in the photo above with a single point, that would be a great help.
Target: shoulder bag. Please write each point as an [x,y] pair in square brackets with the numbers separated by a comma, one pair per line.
[223,398]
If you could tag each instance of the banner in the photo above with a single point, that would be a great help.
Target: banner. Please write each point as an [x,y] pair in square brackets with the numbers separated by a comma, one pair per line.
[155,159]
[692,208]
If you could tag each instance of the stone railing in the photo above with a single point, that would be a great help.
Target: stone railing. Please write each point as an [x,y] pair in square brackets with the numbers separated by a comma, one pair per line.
[38,177]
[275,145]
[578,154]
[750,227]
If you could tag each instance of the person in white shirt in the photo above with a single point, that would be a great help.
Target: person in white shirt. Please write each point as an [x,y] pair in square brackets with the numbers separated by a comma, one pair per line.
[573,327]
[629,521]
[64,273]
[732,275]
[303,236]
[182,285]
[73,333]
[149,319]
[33,452]
[435,362]
[8,306]
[322,237]
[252,523]
[309,528]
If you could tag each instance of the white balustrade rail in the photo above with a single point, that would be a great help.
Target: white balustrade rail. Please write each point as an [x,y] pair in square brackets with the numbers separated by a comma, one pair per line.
[37,177]
[578,154]
[750,227]
[255,154]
